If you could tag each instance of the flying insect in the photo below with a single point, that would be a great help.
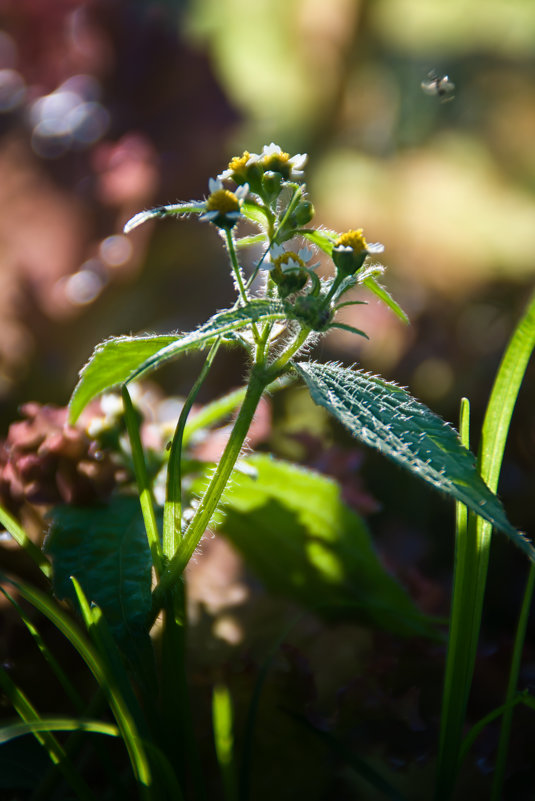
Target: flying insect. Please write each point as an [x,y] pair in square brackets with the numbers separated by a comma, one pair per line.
[439,85]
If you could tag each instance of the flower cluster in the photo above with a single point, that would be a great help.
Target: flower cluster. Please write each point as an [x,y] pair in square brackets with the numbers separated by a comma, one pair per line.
[268,191]
[272,159]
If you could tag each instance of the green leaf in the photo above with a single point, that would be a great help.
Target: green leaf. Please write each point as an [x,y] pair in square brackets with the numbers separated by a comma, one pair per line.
[122,359]
[387,418]
[302,540]
[13,730]
[174,210]
[322,238]
[380,292]
[106,549]
[255,213]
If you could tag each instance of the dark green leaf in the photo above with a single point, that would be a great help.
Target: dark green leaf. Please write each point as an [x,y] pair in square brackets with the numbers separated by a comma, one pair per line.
[301,539]
[122,359]
[106,549]
[390,420]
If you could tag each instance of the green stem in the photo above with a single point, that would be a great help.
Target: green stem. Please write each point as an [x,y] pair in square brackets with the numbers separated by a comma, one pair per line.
[236,269]
[258,381]
[172,517]
[280,364]
[291,205]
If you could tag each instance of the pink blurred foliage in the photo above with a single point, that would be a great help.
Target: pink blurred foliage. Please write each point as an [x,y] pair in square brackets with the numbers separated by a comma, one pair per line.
[44,461]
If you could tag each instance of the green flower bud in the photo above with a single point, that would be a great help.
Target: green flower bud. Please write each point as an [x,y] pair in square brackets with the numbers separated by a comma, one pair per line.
[303,212]
[350,251]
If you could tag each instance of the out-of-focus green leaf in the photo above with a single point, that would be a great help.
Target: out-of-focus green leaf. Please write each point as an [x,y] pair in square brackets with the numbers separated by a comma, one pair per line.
[387,418]
[302,540]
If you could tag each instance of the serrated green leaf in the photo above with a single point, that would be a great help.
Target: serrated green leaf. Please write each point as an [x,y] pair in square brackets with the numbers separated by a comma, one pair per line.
[122,359]
[175,210]
[385,417]
[106,549]
[305,543]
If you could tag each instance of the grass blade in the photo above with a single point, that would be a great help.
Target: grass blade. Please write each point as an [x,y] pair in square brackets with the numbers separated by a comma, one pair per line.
[463,637]
[222,718]
[19,535]
[172,513]
[27,712]
[14,730]
[143,483]
[124,709]
[507,721]
[471,565]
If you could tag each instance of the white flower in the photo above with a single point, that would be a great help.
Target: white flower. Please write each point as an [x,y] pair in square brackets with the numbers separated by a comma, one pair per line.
[272,158]
[223,207]
[287,260]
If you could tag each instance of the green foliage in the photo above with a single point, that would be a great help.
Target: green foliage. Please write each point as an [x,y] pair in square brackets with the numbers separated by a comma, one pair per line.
[122,359]
[106,549]
[385,417]
[305,543]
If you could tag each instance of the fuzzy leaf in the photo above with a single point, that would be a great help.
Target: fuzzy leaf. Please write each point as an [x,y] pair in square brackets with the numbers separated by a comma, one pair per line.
[320,237]
[175,210]
[301,539]
[380,292]
[255,213]
[390,420]
[122,359]
[106,549]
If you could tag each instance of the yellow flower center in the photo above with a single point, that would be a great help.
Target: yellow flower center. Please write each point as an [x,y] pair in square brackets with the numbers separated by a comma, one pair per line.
[353,239]
[222,200]
[277,162]
[239,163]
[287,257]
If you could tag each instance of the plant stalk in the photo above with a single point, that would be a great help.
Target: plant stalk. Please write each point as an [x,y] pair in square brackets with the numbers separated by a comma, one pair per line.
[259,379]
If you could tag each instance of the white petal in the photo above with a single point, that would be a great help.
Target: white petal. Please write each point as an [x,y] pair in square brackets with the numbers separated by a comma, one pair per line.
[214,185]
[375,247]
[270,150]
[210,215]
[275,251]
[305,254]
[299,160]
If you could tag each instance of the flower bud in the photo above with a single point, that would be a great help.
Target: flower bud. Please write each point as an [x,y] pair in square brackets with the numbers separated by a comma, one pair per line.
[350,251]
[304,212]
[271,184]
